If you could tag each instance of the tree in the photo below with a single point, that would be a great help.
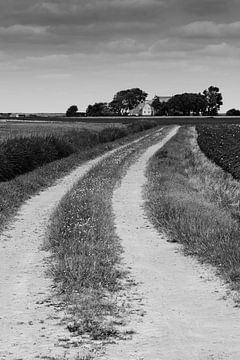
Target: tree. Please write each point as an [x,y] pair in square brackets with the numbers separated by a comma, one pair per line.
[214,100]
[160,107]
[126,100]
[98,109]
[233,112]
[72,111]
[187,104]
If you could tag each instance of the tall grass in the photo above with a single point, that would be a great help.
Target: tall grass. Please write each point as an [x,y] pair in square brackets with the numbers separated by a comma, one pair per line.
[21,155]
[196,203]
[86,251]
[86,145]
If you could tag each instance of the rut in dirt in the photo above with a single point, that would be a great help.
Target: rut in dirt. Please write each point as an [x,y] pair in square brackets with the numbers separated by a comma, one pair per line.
[29,317]
[186,316]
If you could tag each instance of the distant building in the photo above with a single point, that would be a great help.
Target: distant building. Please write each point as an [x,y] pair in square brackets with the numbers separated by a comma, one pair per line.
[17,116]
[145,108]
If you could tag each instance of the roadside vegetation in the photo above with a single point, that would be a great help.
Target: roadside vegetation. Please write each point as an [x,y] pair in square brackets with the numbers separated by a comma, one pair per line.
[20,155]
[86,251]
[196,204]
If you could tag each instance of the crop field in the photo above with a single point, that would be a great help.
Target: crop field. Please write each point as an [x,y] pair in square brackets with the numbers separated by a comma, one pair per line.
[28,129]
[221,144]
[117,120]
[34,155]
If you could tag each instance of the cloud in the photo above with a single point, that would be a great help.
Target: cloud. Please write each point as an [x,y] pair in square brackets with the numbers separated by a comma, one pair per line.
[223,50]
[206,7]
[25,30]
[209,29]
[124,46]
[59,12]
[54,76]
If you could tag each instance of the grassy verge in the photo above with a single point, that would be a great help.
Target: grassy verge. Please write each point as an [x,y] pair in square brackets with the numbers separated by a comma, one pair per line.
[196,203]
[14,192]
[86,251]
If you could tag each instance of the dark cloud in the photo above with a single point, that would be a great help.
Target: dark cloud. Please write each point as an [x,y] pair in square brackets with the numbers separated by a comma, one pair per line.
[79,12]
[207,7]
[122,39]
[210,30]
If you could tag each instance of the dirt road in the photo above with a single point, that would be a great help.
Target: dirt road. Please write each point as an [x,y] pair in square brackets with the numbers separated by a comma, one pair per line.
[186,316]
[29,318]
[186,319]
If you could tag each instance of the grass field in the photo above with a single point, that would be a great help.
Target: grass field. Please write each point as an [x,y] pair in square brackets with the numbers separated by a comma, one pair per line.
[162,120]
[31,162]
[11,130]
[196,203]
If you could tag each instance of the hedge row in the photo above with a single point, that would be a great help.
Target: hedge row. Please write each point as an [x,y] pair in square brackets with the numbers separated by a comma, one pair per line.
[221,144]
[21,155]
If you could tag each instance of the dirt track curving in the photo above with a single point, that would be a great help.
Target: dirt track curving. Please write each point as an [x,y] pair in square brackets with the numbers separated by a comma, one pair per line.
[186,316]
[29,318]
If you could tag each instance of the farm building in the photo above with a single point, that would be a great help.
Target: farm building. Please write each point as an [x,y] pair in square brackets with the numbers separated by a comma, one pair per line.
[145,108]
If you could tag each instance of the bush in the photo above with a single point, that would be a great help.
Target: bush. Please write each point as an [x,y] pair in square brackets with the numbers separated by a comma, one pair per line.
[233,112]
[20,155]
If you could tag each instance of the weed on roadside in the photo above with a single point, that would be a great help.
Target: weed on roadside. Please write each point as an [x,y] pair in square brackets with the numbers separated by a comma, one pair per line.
[86,252]
[195,203]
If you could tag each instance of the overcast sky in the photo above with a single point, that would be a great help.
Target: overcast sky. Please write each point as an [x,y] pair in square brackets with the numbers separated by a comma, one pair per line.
[55,53]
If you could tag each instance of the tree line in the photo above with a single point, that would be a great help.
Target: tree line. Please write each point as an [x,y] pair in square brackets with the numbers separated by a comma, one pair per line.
[207,103]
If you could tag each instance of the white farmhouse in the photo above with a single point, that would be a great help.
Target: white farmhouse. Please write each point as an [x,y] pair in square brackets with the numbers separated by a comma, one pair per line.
[145,108]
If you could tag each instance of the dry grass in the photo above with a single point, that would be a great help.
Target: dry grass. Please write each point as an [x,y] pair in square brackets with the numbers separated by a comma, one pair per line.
[12,130]
[86,251]
[196,203]
[14,192]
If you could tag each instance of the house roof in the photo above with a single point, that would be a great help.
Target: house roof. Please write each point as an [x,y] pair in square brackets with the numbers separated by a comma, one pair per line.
[137,110]
[164,98]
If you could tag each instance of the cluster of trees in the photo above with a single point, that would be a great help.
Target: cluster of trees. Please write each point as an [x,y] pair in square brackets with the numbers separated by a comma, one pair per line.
[123,101]
[233,112]
[207,103]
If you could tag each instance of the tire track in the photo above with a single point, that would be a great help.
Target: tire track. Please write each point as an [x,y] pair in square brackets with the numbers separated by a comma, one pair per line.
[29,316]
[186,317]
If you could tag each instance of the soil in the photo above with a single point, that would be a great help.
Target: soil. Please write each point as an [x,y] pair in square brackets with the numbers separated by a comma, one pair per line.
[179,309]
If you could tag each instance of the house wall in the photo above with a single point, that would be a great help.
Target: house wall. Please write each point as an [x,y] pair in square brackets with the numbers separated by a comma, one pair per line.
[147,110]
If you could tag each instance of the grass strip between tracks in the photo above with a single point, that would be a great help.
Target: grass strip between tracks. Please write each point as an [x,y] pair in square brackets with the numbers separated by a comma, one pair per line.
[14,192]
[196,203]
[86,251]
